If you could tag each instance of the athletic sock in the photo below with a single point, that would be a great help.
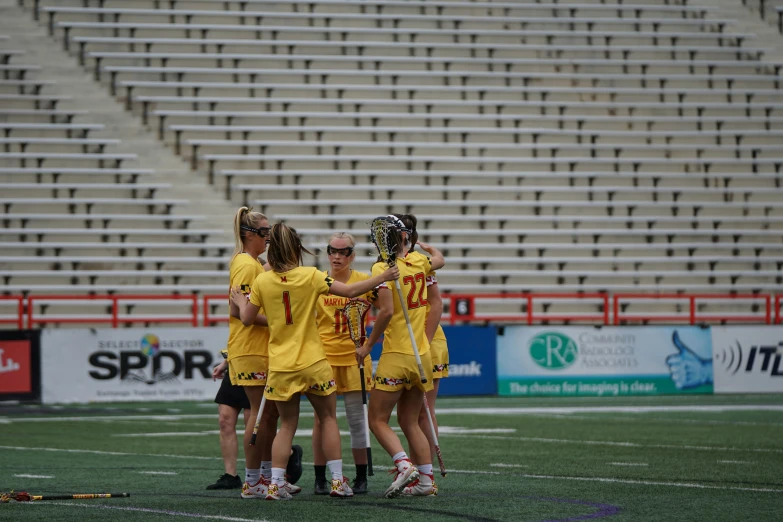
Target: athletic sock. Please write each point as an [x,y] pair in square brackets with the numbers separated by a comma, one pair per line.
[278,476]
[252,476]
[266,469]
[398,456]
[361,472]
[320,473]
[425,468]
[336,467]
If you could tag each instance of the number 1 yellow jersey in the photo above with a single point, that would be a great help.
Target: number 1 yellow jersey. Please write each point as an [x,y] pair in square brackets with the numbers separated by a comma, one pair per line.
[413,273]
[332,327]
[251,340]
[289,299]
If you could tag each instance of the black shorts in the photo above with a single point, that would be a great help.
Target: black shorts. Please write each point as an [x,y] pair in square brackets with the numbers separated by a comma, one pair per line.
[230,395]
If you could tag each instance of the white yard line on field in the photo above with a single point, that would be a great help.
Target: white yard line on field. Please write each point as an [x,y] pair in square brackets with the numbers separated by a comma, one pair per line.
[628,464]
[152,511]
[622,444]
[734,462]
[112,453]
[502,465]
[609,409]
[25,475]
[157,472]
[651,483]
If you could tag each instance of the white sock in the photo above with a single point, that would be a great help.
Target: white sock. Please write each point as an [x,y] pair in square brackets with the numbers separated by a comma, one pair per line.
[252,476]
[400,455]
[266,469]
[278,476]
[336,467]
[424,468]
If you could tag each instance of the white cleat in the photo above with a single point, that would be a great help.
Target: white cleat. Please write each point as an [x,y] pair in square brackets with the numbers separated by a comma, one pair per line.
[417,489]
[403,478]
[278,493]
[341,489]
[291,489]
[257,490]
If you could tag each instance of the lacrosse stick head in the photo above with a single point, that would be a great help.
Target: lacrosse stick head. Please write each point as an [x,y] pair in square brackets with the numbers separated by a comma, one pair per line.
[22,496]
[355,312]
[386,236]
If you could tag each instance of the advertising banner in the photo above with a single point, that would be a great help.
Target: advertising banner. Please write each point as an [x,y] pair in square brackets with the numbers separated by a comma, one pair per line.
[748,359]
[130,364]
[20,365]
[472,360]
[605,361]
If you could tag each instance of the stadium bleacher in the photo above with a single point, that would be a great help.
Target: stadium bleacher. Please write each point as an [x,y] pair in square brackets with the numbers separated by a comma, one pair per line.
[560,147]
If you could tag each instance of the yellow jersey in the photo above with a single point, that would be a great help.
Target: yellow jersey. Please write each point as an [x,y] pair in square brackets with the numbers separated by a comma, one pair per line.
[413,271]
[333,328]
[439,334]
[289,299]
[242,340]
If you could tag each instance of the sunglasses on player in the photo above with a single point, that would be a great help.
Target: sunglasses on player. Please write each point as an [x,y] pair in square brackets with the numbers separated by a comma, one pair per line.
[345,252]
[261,231]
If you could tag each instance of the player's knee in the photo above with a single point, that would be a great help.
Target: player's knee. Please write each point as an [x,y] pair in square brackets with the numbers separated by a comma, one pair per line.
[227,423]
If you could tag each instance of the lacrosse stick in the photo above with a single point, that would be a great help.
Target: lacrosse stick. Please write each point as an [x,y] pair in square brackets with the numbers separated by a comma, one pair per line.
[355,311]
[386,237]
[258,418]
[24,496]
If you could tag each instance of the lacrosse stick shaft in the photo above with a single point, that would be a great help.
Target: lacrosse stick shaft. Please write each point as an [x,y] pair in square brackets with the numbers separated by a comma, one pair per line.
[258,418]
[366,422]
[410,332]
[79,496]
[434,437]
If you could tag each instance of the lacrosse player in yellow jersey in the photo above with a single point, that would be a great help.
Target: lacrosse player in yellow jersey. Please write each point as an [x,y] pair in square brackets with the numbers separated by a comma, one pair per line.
[297,362]
[438,349]
[397,379]
[341,354]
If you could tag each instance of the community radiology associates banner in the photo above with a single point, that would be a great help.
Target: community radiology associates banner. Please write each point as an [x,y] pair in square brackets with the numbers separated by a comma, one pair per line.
[130,364]
[607,361]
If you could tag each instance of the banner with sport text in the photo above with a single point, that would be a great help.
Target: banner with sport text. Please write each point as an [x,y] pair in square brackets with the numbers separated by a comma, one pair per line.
[130,364]
[605,361]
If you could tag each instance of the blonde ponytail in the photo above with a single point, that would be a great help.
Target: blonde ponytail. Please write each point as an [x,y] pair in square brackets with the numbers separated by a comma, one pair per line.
[244,217]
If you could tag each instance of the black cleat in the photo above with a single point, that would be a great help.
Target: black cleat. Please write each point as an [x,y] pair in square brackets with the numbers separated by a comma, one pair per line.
[293,472]
[359,486]
[227,482]
[321,488]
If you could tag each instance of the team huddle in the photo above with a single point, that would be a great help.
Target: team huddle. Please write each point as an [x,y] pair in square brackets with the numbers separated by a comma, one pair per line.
[289,336]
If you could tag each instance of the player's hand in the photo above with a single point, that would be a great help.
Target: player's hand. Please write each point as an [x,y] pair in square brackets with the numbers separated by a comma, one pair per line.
[362,353]
[426,247]
[219,370]
[237,296]
[391,274]
[688,370]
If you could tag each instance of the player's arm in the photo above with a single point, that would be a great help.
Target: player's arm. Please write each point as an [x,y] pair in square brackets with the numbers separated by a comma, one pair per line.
[385,305]
[260,320]
[362,287]
[436,310]
[247,310]
[436,258]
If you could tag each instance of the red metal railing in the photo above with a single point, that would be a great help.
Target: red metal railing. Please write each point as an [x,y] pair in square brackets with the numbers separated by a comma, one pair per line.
[693,316]
[19,319]
[468,304]
[463,308]
[113,317]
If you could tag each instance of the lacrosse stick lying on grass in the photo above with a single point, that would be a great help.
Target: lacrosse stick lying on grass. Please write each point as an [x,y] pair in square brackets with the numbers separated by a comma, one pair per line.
[23,496]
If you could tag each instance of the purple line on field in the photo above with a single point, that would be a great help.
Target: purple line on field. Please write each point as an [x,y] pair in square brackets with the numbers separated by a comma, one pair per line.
[604,510]
[157,511]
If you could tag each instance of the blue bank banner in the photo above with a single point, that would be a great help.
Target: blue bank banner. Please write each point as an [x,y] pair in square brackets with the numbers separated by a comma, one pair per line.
[472,360]
[606,361]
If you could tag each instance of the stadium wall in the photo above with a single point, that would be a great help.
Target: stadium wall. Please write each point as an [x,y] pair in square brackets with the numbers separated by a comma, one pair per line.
[168,364]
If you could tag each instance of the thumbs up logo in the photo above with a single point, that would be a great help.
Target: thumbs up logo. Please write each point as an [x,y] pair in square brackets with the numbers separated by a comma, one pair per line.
[687,369]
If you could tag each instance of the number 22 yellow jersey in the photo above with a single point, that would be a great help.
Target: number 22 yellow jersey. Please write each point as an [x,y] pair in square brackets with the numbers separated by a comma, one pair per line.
[414,269]
[333,328]
[289,299]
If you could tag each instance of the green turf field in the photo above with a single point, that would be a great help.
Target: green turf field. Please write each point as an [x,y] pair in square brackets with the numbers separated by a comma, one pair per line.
[618,459]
